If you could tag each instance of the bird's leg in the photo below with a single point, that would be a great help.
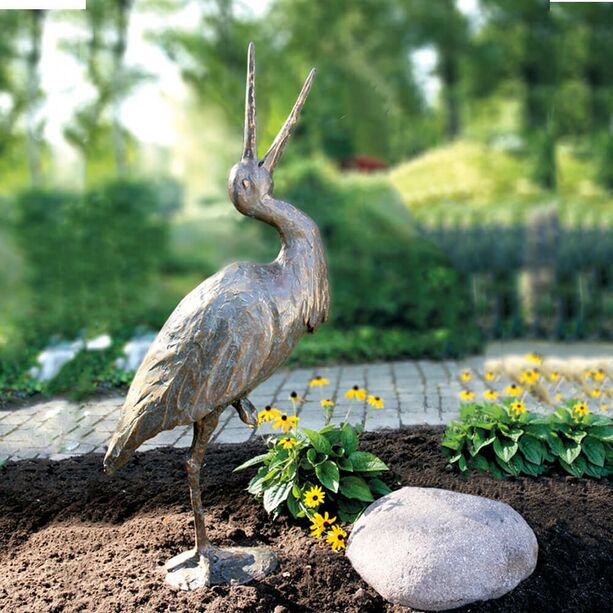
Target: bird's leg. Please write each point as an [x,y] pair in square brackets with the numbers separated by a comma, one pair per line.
[202,433]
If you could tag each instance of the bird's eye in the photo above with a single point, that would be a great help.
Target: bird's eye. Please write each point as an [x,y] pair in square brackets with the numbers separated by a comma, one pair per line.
[245,183]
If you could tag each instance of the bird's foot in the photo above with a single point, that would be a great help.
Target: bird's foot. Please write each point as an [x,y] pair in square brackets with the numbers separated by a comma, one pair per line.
[192,569]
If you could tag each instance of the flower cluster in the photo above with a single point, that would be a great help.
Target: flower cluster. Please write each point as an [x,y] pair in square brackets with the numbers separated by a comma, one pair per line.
[315,453]
[583,385]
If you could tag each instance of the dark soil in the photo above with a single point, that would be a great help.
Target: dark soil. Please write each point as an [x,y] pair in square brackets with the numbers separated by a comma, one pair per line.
[73,539]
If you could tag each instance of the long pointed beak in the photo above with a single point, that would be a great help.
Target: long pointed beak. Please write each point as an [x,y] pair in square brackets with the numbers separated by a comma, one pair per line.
[249,138]
[269,161]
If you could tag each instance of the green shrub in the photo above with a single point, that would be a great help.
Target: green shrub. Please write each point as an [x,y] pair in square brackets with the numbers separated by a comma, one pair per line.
[383,274]
[501,440]
[90,258]
[327,459]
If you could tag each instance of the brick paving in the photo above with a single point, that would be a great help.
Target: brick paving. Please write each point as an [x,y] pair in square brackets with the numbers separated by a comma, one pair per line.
[415,392]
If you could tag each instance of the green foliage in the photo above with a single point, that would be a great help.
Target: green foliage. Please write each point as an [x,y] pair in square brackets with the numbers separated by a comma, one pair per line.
[328,458]
[491,438]
[90,258]
[382,272]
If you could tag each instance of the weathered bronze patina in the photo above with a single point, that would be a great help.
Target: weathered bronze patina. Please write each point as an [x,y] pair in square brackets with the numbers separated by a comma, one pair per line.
[226,337]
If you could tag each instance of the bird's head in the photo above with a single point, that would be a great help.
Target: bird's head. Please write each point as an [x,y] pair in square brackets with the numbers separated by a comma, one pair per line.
[251,179]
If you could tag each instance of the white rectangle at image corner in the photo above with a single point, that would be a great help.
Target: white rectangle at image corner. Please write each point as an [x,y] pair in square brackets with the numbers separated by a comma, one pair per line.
[48,5]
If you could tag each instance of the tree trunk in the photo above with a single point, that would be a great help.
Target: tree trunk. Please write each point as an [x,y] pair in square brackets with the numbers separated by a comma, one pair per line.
[33,137]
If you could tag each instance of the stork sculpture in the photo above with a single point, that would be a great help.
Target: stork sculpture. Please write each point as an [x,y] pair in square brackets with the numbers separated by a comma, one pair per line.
[226,337]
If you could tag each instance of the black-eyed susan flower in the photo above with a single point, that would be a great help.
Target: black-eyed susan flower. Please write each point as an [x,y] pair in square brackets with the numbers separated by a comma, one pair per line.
[327,404]
[534,358]
[489,376]
[604,407]
[530,376]
[595,393]
[517,408]
[287,442]
[285,422]
[490,395]
[356,393]
[314,497]
[467,396]
[318,381]
[466,376]
[376,402]
[295,397]
[268,414]
[559,397]
[513,390]
[320,523]
[336,538]
[580,409]
[598,375]
[554,376]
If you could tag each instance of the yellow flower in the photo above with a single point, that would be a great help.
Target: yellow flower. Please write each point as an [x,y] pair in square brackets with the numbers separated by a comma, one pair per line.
[587,374]
[595,393]
[287,442]
[517,407]
[336,538]
[554,376]
[319,524]
[375,401]
[326,403]
[604,407]
[558,397]
[294,397]
[530,376]
[314,497]
[598,375]
[467,395]
[356,393]
[466,376]
[285,422]
[580,409]
[534,358]
[490,395]
[318,381]
[489,376]
[268,414]
[513,390]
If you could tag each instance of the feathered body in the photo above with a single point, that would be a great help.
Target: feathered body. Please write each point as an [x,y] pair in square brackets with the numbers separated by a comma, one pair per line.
[226,337]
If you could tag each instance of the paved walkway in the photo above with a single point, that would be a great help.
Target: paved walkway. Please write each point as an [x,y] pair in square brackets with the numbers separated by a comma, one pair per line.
[415,392]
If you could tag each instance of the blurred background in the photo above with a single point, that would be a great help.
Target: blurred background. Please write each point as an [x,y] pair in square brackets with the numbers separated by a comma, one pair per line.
[457,156]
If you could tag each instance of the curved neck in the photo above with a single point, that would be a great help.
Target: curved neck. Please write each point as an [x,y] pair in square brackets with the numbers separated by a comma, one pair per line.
[295,228]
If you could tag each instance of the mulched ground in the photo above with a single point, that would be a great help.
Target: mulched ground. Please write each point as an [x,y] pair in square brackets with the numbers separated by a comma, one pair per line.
[73,539]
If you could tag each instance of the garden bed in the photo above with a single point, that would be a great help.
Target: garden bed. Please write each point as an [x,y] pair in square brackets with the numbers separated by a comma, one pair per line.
[73,539]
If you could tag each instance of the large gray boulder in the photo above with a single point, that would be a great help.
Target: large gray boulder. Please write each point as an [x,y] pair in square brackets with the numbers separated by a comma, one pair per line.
[433,549]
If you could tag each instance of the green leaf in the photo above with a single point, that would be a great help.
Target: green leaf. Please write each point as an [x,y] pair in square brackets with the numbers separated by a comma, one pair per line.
[514,466]
[462,465]
[594,450]
[494,411]
[604,433]
[576,468]
[276,494]
[505,449]
[345,464]
[293,506]
[350,510]
[480,463]
[532,449]
[363,461]
[315,458]
[349,439]
[356,488]
[258,459]
[570,452]
[540,431]
[512,433]
[481,438]
[328,475]
[379,487]
[319,442]
[532,469]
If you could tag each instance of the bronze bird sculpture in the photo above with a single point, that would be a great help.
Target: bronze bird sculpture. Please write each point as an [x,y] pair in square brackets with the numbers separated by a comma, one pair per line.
[226,337]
